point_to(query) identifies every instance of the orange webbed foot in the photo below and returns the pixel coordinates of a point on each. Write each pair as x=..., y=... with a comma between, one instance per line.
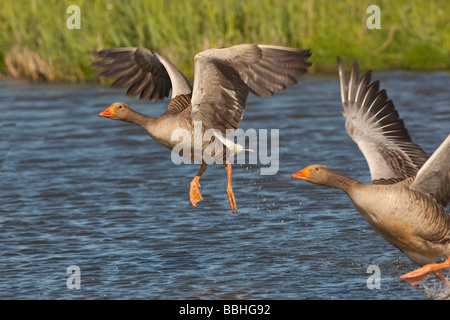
x=414, y=277
x=194, y=192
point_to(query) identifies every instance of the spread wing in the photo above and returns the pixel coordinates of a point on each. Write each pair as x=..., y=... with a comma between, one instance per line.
x=142, y=71
x=375, y=126
x=434, y=176
x=224, y=77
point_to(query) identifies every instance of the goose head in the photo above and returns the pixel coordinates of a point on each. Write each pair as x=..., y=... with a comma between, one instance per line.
x=315, y=173
x=118, y=111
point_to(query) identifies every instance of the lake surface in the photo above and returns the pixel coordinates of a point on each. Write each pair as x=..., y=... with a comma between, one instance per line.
x=77, y=189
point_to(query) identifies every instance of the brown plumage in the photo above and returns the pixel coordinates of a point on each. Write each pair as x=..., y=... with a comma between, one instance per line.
x=223, y=79
x=410, y=189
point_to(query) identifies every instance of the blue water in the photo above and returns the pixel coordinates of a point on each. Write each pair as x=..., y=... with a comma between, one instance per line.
x=77, y=189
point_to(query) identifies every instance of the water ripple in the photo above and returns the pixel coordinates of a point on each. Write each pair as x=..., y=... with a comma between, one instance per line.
x=81, y=190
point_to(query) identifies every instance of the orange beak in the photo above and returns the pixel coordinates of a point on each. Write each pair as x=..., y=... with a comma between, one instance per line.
x=108, y=113
x=302, y=174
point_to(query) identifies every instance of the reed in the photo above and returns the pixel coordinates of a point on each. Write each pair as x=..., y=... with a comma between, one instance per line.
x=37, y=44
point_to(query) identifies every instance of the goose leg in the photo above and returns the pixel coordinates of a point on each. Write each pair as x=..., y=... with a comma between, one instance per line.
x=230, y=189
x=414, y=277
x=441, y=277
x=194, y=192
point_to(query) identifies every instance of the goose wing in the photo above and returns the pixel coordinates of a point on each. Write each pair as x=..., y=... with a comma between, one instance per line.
x=224, y=77
x=434, y=176
x=142, y=71
x=375, y=126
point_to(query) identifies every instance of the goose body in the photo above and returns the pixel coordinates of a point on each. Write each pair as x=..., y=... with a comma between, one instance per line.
x=406, y=201
x=215, y=102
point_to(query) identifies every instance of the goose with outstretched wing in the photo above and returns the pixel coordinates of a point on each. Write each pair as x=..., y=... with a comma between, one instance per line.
x=223, y=78
x=406, y=201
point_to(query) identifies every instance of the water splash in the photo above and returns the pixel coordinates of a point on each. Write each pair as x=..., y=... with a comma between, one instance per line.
x=436, y=291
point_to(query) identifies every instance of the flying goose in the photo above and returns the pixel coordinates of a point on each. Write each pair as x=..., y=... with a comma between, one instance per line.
x=406, y=201
x=223, y=78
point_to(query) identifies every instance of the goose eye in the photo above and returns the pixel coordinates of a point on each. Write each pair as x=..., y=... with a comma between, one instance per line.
x=120, y=106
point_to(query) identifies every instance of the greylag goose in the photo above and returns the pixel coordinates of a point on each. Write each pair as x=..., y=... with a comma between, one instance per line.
x=223, y=78
x=406, y=201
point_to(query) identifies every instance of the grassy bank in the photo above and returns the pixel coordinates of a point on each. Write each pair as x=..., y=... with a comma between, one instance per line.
x=36, y=43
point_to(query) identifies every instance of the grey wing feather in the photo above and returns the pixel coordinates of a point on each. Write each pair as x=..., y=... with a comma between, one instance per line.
x=375, y=126
x=434, y=176
x=224, y=77
x=142, y=71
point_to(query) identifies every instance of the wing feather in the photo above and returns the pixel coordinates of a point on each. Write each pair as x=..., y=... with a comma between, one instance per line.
x=374, y=125
x=434, y=176
x=224, y=77
x=142, y=71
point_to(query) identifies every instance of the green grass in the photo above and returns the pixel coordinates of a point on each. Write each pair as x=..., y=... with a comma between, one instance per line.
x=36, y=43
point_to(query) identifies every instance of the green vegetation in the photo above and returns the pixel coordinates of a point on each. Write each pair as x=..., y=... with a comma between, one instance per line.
x=36, y=43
